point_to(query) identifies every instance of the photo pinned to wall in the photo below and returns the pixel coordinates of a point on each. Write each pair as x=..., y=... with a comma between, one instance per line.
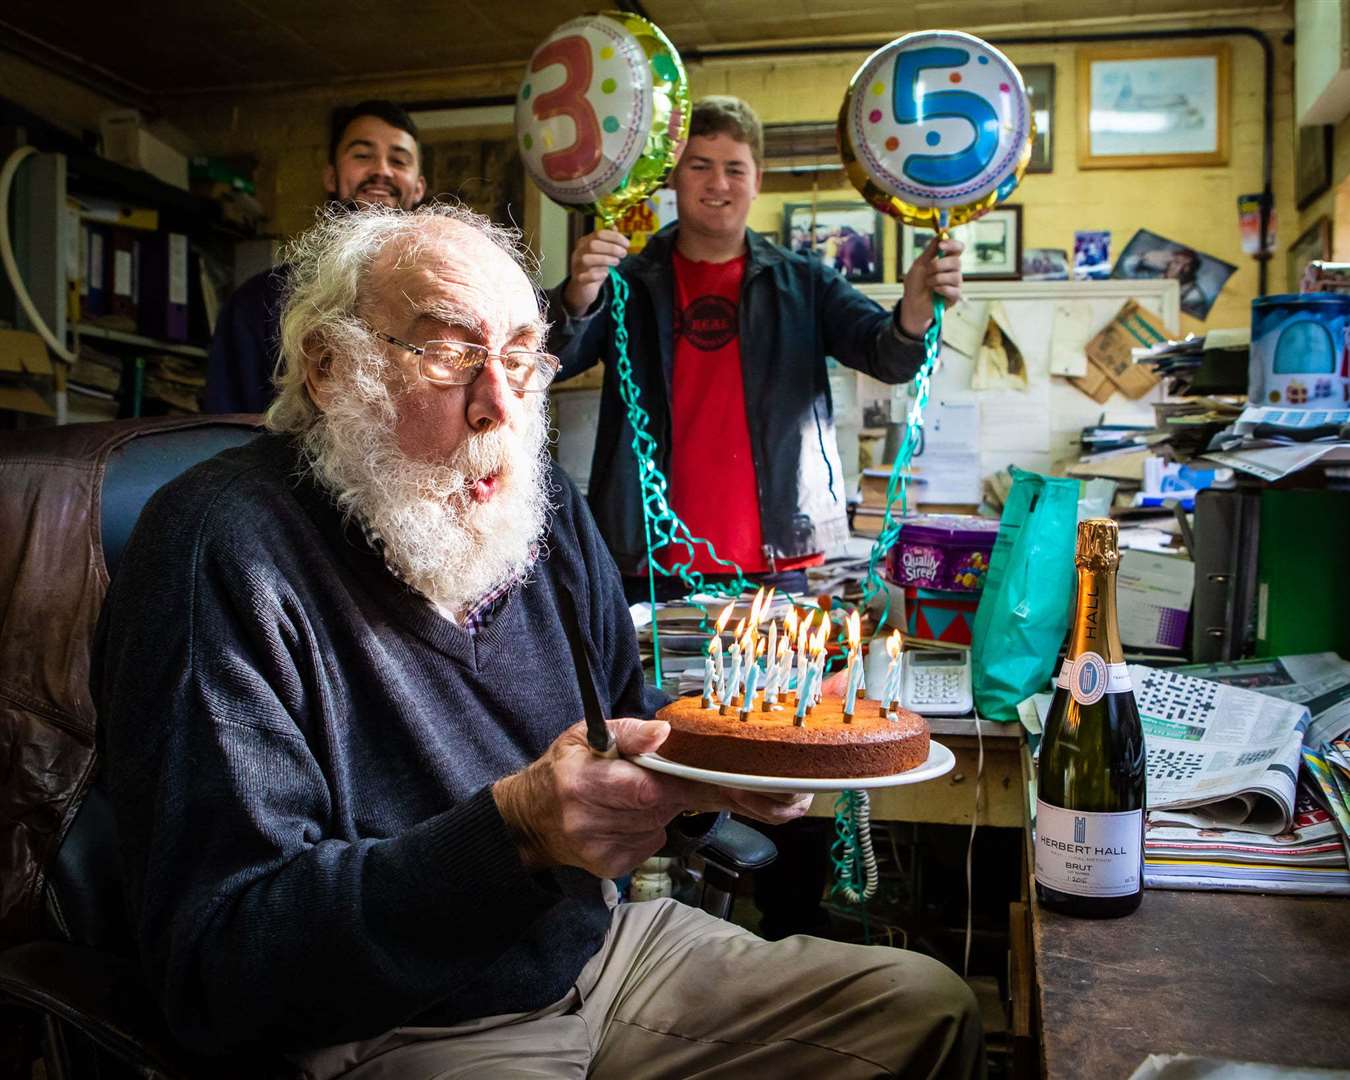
x=1249, y=224
x=1040, y=83
x=1201, y=277
x=1045, y=264
x=1159, y=105
x=993, y=245
x=1091, y=255
x=1315, y=243
x=847, y=236
x=1312, y=163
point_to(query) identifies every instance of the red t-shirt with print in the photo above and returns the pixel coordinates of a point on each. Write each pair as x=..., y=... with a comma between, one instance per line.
x=712, y=471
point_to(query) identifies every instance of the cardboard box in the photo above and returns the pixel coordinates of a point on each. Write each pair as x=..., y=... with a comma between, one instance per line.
x=128, y=142
x=1110, y=353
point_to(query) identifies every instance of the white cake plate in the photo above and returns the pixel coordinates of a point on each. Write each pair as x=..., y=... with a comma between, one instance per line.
x=940, y=762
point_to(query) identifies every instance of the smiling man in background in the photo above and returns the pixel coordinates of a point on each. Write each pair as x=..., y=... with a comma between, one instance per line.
x=373, y=160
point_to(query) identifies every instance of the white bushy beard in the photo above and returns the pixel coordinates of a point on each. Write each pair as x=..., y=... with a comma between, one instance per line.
x=436, y=537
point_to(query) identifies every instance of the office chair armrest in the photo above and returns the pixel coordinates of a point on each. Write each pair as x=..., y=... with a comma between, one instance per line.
x=103, y=996
x=738, y=847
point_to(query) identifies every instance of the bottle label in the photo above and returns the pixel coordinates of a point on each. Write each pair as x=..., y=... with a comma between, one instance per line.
x=1089, y=677
x=1088, y=854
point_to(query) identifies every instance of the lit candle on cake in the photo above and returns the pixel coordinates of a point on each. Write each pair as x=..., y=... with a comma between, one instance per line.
x=803, y=644
x=715, y=652
x=771, y=653
x=890, y=691
x=709, y=680
x=819, y=652
x=751, y=681
x=804, y=691
x=854, y=665
x=778, y=672
x=728, y=691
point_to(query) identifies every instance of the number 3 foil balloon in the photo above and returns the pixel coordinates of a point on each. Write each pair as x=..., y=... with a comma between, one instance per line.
x=936, y=128
x=601, y=113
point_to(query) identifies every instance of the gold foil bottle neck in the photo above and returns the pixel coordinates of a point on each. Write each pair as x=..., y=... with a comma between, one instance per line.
x=1098, y=544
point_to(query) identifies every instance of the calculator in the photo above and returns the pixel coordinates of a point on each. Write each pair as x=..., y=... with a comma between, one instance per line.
x=936, y=682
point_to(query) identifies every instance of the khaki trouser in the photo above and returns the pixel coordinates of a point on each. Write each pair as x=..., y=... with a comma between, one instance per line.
x=674, y=992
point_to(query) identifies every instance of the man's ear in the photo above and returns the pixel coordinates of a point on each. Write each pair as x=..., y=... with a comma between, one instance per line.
x=330, y=180
x=759, y=178
x=420, y=189
x=318, y=378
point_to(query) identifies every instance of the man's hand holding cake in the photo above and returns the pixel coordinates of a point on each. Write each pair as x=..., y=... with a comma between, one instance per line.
x=572, y=808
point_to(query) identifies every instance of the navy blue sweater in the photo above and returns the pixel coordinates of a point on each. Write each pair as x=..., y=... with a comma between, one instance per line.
x=300, y=750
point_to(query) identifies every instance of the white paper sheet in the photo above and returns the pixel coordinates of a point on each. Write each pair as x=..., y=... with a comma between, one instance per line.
x=1070, y=331
x=963, y=326
x=1153, y=599
x=1008, y=423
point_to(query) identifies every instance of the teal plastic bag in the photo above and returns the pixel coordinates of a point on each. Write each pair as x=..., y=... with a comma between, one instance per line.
x=1027, y=601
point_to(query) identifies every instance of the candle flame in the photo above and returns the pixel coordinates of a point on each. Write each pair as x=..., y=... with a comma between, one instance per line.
x=822, y=638
x=759, y=649
x=804, y=630
x=756, y=607
x=854, y=630
x=790, y=624
x=768, y=601
x=739, y=632
x=784, y=648
x=893, y=644
x=724, y=618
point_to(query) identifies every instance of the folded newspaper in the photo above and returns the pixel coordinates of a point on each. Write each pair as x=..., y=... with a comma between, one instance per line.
x=1218, y=756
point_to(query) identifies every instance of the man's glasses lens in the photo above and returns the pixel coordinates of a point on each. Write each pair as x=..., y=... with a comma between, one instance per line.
x=458, y=365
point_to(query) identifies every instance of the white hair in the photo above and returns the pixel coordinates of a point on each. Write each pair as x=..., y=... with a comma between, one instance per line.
x=328, y=275
x=436, y=538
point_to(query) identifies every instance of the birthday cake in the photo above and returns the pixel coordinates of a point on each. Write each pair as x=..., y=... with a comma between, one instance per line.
x=772, y=744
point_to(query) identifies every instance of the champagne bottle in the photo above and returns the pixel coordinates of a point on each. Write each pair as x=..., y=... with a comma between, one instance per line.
x=1090, y=780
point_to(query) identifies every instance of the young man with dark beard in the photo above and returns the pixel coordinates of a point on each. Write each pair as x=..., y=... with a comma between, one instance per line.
x=374, y=159
x=358, y=816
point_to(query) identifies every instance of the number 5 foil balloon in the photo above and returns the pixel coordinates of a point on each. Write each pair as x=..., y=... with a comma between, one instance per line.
x=936, y=128
x=602, y=112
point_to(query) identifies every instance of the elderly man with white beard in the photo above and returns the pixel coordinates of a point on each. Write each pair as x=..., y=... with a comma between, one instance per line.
x=358, y=817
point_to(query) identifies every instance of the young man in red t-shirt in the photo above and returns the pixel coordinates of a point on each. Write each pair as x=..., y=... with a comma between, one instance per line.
x=728, y=339
x=722, y=434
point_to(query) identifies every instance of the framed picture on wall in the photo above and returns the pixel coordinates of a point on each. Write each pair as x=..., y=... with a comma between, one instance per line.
x=993, y=245
x=1312, y=162
x=1040, y=80
x=847, y=236
x=1164, y=104
x=1315, y=243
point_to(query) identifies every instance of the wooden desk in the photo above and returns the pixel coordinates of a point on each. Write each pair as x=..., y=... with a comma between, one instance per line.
x=950, y=800
x=1231, y=975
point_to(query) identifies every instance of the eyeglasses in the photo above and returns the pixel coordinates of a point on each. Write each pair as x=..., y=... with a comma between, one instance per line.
x=458, y=363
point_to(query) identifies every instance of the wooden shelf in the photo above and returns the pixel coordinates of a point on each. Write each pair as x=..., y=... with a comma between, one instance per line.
x=178, y=348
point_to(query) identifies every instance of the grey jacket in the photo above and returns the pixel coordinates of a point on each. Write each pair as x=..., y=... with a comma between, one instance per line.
x=794, y=312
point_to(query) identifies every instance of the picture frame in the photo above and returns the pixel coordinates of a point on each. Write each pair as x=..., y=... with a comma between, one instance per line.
x=847, y=236
x=1151, y=107
x=993, y=245
x=1313, y=243
x=1313, y=148
x=1200, y=277
x=1040, y=83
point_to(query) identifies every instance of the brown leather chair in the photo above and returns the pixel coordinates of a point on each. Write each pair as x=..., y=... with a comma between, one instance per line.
x=69, y=498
